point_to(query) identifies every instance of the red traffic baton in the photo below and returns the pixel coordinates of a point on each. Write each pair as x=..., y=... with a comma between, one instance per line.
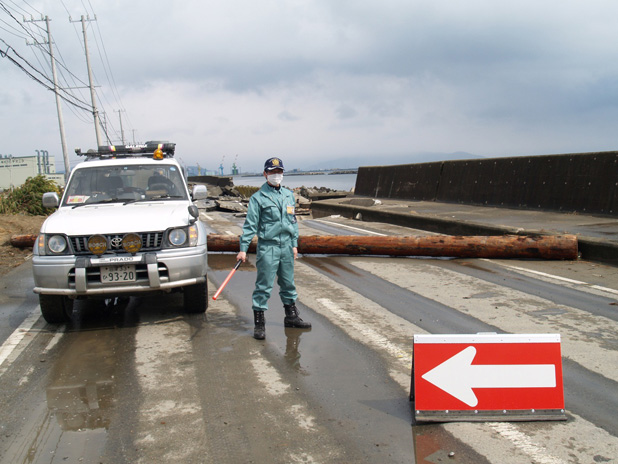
x=227, y=279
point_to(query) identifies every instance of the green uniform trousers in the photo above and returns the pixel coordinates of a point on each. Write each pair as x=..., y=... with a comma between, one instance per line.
x=274, y=259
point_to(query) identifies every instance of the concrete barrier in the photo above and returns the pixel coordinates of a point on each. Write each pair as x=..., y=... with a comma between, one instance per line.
x=418, y=182
x=582, y=182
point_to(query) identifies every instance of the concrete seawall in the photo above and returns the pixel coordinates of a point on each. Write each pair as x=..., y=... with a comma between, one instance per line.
x=581, y=182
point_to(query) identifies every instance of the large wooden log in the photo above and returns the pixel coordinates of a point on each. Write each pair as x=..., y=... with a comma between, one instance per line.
x=504, y=246
x=23, y=241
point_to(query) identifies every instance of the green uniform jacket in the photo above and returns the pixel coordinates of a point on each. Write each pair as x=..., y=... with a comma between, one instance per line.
x=271, y=215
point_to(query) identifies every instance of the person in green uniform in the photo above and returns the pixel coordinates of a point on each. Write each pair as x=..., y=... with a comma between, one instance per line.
x=271, y=215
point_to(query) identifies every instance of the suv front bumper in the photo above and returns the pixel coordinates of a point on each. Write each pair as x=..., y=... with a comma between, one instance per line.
x=157, y=271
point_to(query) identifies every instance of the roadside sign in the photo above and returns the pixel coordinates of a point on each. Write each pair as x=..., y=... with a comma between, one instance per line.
x=490, y=377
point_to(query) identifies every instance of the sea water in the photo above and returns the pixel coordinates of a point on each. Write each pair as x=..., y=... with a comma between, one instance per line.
x=342, y=182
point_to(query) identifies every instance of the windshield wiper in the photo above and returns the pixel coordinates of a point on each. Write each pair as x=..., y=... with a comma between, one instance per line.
x=156, y=197
x=108, y=200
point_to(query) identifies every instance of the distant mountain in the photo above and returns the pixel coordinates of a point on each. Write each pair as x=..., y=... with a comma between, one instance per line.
x=382, y=160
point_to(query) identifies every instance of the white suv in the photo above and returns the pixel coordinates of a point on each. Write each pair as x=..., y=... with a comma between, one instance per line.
x=126, y=225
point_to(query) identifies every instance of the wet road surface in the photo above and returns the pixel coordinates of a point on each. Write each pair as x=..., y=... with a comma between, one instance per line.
x=139, y=381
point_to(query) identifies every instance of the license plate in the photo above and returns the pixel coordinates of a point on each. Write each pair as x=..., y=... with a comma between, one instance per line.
x=113, y=274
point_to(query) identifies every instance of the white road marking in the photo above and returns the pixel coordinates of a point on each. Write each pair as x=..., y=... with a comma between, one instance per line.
x=16, y=337
x=367, y=332
x=268, y=375
x=26, y=376
x=169, y=395
x=55, y=339
x=555, y=277
x=604, y=289
x=351, y=227
x=275, y=386
x=537, y=453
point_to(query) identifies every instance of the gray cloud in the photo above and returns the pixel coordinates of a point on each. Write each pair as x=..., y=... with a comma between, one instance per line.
x=356, y=77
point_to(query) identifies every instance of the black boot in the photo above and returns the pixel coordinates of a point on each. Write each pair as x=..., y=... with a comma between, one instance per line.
x=259, y=332
x=292, y=319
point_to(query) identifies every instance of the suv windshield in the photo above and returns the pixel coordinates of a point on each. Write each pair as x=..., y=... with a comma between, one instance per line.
x=124, y=183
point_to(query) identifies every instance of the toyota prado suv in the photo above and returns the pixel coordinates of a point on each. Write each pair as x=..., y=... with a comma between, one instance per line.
x=126, y=225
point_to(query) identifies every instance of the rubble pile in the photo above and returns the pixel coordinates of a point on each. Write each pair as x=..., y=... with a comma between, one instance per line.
x=224, y=196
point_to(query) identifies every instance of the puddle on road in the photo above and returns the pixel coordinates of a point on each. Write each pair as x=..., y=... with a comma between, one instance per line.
x=81, y=392
x=433, y=444
x=292, y=352
x=81, y=386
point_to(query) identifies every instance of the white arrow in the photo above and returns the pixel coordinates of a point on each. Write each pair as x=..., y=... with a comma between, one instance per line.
x=457, y=376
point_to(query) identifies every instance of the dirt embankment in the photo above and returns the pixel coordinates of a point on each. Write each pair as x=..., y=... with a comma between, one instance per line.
x=16, y=224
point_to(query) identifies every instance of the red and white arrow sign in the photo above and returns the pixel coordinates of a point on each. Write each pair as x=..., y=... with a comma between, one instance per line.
x=457, y=376
x=483, y=374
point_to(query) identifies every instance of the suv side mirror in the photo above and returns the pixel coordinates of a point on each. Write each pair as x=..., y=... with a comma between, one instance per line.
x=50, y=200
x=199, y=192
x=194, y=213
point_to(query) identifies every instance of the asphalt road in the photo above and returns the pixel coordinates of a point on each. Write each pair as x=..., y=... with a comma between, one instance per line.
x=139, y=381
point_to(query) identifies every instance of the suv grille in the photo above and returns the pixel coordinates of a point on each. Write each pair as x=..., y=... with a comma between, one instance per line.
x=151, y=241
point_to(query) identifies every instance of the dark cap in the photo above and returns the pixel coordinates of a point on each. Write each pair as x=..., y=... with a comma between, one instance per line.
x=273, y=163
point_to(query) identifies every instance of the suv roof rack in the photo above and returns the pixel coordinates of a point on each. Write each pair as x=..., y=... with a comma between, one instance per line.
x=149, y=149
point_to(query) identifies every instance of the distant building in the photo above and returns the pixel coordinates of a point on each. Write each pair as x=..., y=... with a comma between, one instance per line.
x=14, y=170
x=193, y=171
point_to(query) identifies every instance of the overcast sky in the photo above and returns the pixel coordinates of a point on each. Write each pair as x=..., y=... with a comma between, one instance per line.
x=364, y=81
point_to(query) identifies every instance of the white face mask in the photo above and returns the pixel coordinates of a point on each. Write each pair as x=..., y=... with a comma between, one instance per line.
x=274, y=179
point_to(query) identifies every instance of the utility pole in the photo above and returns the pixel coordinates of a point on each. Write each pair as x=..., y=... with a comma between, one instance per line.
x=95, y=111
x=65, y=154
x=121, y=129
x=103, y=121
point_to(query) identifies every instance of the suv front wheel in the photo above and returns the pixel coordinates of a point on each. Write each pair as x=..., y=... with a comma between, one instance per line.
x=196, y=297
x=56, y=309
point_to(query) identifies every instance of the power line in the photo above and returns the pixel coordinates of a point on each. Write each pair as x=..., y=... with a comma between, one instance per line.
x=95, y=111
x=71, y=86
x=65, y=155
x=107, y=68
x=5, y=54
x=13, y=30
x=32, y=71
x=19, y=7
x=5, y=8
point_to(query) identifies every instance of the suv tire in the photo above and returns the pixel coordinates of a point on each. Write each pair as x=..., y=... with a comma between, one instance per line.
x=56, y=309
x=196, y=297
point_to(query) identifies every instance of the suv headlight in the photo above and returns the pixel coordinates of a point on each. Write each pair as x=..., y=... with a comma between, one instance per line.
x=185, y=236
x=57, y=244
x=177, y=237
x=51, y=244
